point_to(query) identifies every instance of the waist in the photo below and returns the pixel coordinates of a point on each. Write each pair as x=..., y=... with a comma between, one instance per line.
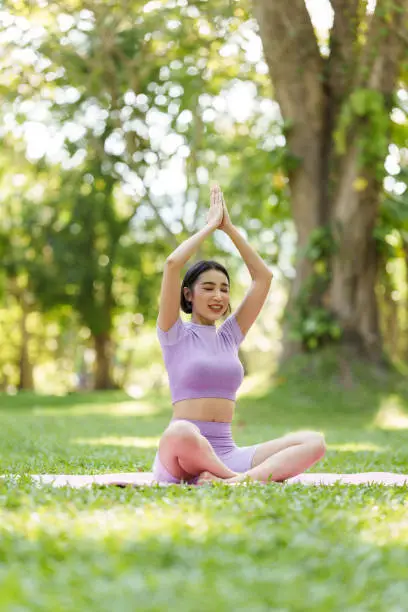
x=215, y=431
x=205, y=409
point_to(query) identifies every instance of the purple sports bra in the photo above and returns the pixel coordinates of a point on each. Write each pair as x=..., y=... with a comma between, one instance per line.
x=201, y=360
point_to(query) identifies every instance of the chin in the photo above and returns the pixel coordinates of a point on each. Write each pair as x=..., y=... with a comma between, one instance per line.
x=216, y=316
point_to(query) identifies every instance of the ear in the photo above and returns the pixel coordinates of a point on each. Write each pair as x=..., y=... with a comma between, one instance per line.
x=187, y=293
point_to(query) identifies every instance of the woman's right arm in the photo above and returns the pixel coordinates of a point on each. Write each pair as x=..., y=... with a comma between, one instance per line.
x=214, y=218
x=169, y=308
x=186, y=249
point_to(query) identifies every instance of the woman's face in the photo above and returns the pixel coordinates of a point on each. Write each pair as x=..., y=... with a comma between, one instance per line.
x=211, y=289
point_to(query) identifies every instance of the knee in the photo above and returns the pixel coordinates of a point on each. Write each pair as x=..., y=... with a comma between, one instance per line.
x=318, y=443
x=183, y=433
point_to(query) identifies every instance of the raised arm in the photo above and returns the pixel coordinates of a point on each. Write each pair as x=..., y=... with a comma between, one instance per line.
x=169, y=308
x=261, y=275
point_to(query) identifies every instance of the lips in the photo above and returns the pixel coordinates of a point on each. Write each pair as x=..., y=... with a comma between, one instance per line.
x=215, y=308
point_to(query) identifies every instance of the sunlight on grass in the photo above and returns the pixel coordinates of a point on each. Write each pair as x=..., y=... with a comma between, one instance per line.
x=384, y=524
x=356, y=447
x=391, y=414
x=133, y=408
x=122, y=523
x=148, y=442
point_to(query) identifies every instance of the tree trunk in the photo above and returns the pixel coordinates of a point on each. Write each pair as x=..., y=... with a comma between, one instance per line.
x=302, y=103
x=354, y=266
x=103, y=362
x=325, y=186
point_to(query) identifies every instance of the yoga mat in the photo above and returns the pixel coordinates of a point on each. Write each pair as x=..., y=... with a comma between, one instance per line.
x=146, y=478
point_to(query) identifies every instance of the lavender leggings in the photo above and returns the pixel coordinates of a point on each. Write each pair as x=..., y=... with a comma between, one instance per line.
x=219, y=435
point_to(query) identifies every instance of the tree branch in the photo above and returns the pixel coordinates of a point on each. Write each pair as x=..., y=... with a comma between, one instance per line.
x=170, y=234
x=293, y=57
x=343, y=52
x=297, y=73
x=385, y=47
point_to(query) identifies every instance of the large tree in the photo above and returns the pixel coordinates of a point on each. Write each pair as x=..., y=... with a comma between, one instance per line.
x=122, y=70
x=336, y=103
x=116, y=70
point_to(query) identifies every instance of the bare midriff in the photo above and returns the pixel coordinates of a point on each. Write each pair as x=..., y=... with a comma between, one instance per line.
x=205, y=409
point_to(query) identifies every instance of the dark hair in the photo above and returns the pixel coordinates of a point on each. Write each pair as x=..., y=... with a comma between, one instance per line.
x=191, y=278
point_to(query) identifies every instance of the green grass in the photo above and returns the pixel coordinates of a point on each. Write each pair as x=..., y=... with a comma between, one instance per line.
x=215, y=548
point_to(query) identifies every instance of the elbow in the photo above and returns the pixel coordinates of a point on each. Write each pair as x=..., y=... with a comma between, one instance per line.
x=174, y=263
x=265, y=276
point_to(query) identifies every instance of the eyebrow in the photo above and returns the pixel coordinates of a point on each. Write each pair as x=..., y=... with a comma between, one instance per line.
x=211, y=283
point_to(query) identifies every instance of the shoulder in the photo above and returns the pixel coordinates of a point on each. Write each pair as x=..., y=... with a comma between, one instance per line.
x=175, y=334
x=231, y=330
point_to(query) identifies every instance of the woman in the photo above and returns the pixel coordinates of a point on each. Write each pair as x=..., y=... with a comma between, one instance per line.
x=205, y=372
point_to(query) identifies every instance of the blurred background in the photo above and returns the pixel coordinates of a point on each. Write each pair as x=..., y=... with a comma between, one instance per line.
x=115, y=117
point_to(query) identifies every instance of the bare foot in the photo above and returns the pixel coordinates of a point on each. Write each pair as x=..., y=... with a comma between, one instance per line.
x=205, y=477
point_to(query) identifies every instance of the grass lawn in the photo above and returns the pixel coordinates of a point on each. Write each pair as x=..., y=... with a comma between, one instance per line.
x=215, y=548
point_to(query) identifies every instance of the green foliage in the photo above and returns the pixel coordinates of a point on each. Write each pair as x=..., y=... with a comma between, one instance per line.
x=365, y=116
x=315, y=327
x=394, y=208
x=312, y=323
x=82, y=244
x=391, y=230
x=123, y=62
x=391, y=235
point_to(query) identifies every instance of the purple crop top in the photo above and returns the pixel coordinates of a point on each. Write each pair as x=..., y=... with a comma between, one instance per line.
x=201, y=360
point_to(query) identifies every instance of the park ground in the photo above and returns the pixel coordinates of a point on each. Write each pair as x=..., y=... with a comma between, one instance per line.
x=250, y=547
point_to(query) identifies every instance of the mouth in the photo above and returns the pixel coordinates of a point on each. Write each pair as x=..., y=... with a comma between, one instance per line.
x=216, y=309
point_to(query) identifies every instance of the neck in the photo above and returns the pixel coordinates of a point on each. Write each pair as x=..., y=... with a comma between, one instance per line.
x=202, y=321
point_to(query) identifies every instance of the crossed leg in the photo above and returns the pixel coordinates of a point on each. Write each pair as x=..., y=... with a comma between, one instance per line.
x=186, y=453
x=279, y=459
x=285, y=457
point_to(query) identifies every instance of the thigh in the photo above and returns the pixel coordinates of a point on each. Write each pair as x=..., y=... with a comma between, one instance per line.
x=271, y=447
x=174, y=440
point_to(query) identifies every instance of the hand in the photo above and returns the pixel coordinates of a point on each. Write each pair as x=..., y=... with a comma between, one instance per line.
x=226, y=222
x=216, y=212
x=218, y=220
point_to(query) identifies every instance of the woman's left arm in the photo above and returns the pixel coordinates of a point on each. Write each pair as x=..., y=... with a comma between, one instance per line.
x=256, y=265
x=261, y=275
